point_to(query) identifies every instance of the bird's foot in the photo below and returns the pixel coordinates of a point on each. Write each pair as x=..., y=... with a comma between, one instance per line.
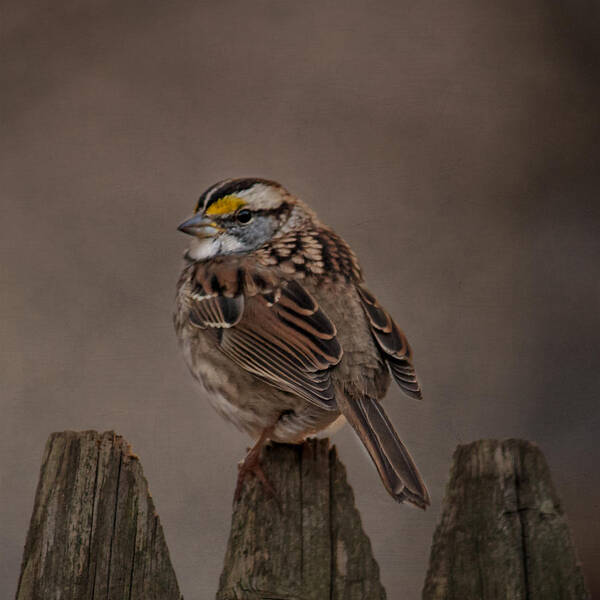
x=251, y=466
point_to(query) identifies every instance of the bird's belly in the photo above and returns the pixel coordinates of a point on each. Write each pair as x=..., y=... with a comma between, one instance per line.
x=242, y=418
x=249, y=403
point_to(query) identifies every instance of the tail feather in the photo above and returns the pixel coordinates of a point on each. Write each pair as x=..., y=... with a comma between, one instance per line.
x=396, y=467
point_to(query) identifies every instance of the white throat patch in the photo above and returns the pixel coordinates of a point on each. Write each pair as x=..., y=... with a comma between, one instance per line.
x=204, y=248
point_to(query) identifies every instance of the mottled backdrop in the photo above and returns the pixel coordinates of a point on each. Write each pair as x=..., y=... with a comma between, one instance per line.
x=455, y=145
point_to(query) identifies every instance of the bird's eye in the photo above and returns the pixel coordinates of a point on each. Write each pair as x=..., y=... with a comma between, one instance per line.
x=244, y=216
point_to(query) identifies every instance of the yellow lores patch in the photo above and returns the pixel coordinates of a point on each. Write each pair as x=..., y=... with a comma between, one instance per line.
x=225, y=205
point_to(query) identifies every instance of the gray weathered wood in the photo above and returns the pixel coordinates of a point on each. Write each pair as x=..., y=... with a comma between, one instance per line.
x=94, y=533
x=308, y=544
x=503, y=534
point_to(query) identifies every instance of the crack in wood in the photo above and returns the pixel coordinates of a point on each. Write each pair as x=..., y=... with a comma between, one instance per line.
x=522, y=523
x=94, y=508
x=114, y=527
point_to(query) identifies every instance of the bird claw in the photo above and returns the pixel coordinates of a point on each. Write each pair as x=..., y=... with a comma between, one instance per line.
x=251, y=466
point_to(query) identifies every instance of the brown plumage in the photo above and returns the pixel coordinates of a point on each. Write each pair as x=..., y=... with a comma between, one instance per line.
x=275, y=321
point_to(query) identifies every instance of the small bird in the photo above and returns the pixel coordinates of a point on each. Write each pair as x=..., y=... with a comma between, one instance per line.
x=275, y=321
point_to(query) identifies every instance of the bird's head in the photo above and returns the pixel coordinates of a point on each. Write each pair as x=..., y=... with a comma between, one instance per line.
x=239, y=215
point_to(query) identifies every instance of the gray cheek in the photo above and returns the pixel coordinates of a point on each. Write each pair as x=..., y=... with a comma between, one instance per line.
x=256, y=233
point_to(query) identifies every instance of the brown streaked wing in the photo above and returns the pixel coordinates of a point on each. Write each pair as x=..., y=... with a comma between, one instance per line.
x=216, y=311
x=392, y=343
x=219, y=290
x=290, y=343
x=278, y=366
x=271, y=327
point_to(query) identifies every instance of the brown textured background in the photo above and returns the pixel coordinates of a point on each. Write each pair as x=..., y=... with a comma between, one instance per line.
x=454, y=145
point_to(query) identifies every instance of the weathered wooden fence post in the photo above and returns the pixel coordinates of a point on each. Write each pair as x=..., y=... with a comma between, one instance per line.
x=503, y=535
x=94, y=532
x=306, y=545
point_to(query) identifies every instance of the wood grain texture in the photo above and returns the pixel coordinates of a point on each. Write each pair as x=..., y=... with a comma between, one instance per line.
x=306, y=545
x=94, y=532
x=503, y=534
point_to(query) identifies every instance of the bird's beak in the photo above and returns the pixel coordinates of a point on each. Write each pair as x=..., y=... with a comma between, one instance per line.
x=200, y=226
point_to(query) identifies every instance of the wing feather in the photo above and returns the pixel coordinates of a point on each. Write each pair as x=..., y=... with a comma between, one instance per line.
x=392, y=343
x=271, y=327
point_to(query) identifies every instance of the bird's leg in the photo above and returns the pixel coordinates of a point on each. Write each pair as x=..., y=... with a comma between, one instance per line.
x=251, y=464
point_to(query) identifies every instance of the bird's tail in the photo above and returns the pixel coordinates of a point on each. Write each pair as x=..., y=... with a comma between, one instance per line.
x=396, y=468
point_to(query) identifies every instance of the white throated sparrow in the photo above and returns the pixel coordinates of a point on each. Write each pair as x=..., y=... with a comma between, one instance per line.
x=274, y=320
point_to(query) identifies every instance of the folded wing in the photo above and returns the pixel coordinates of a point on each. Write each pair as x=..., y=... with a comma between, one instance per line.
x=271, y=327
x=392, y=343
